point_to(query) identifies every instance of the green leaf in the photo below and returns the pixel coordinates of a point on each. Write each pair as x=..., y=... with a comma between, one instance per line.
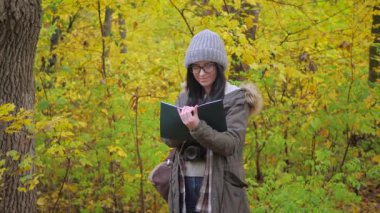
x=43, y=104
x=13, y=154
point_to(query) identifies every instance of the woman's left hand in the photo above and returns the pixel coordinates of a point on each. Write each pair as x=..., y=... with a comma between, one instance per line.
x=189, y=116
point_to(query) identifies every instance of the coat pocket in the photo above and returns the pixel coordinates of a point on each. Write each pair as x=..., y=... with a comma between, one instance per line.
x=234, y=195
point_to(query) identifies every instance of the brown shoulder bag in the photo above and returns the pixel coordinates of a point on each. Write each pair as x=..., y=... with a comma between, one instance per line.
x=160, y=175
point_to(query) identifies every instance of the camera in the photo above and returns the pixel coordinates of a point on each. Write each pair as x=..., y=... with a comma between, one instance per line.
x=194, y=151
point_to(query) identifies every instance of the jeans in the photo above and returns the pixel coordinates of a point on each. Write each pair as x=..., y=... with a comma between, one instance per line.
x=192, y=188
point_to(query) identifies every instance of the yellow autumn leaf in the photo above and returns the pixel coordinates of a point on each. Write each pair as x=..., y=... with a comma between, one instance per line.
x=41, y=201
x=142, y=110
x=328, y=143
x=71, y=187
x=6, y=118
x=248, y=57
x=252, y=2
x=121, y=153
x=104, y=111
x=358, y=175
x=128, y=177
x=237, y=4
x=66, y=134
x=112, y=148
x=5, y=109
x=324, y=133
x=13, y=154
x=82, y=124
x=312, y=88
x=376, y=159
x=248, y=21
x=33, y=183
x=21, y=189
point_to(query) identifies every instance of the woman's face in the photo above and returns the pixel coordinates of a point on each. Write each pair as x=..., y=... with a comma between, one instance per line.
x=205, y=73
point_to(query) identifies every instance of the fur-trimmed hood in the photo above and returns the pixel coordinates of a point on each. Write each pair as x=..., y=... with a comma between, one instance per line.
x=253, y=97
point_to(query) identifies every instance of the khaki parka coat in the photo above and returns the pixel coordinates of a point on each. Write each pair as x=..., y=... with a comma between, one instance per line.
x=228, y=179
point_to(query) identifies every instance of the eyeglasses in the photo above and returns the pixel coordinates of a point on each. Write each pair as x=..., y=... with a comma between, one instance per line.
x=207, y=68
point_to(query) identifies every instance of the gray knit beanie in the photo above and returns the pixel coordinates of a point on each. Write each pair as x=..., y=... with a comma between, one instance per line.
x=206, y=46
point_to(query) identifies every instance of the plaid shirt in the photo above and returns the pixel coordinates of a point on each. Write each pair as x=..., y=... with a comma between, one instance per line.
x=204, y=201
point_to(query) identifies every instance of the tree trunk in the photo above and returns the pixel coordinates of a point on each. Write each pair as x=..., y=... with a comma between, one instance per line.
x=123, y=34
x=20, y=26
x=259, y=175
x=107, y=29
x=374, y=50
x=53, y=43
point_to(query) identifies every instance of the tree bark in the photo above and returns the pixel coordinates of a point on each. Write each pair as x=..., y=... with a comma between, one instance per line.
x=54, y=39
x=19, y=30
x=259, y=175
x=374, y=50
x=123, y=33
x=107, y=28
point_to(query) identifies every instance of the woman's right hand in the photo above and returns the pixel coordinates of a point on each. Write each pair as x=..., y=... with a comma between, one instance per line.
x=189, y=116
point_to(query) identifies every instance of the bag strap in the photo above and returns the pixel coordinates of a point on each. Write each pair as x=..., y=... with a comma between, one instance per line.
x=171, y=154
x=170, y=158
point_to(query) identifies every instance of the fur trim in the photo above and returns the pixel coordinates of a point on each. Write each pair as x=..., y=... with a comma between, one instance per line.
x=230, y=88
x=183, y=86
x=253, y=97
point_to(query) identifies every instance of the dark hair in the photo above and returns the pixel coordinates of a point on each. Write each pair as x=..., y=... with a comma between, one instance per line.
x=196, y=91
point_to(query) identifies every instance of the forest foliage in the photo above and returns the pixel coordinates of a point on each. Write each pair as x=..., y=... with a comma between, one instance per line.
x=102, y=67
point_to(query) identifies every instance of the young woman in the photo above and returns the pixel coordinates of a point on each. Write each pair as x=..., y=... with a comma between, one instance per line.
x=207, y=173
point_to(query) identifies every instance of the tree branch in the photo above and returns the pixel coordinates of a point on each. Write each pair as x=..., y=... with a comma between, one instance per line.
x=284, y=3
x=183, y=17
x=226, y=6
x=63, y=183
x=103, y=43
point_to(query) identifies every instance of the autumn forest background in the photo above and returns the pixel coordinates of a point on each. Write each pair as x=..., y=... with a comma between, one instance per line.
x=101, y=68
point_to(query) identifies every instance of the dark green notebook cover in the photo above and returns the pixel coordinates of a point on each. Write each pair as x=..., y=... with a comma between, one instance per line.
x=172, y=127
